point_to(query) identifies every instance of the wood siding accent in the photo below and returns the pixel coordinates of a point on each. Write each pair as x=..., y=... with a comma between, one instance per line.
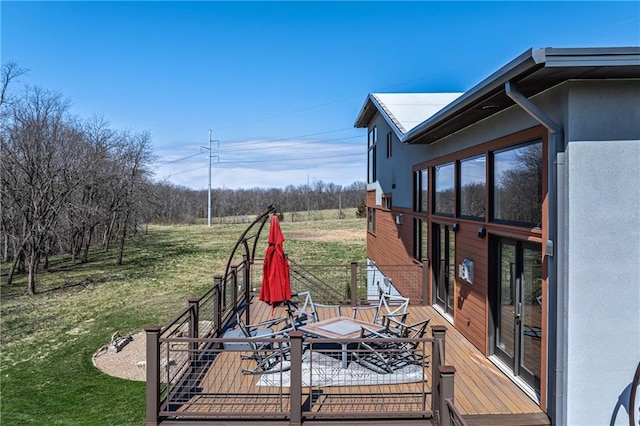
x=471, y=299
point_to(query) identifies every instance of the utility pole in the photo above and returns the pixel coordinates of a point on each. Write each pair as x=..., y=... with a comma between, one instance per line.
x=209, y=196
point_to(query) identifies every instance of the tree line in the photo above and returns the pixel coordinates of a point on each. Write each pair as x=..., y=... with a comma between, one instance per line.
x=68, y=184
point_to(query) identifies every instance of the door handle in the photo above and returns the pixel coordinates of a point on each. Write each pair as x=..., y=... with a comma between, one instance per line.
x=518, y=310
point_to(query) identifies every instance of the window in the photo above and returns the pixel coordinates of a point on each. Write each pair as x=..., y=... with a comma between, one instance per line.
x=420, y=239
x=444, y=200
x=371, y=220
x=421, y=190
x=373, y=139
x=472, y=187
x=389, y=145
x=386, y=202
x=517, y=184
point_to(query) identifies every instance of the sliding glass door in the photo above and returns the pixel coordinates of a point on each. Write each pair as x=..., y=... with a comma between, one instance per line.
x=517, y=308
x=444, y=267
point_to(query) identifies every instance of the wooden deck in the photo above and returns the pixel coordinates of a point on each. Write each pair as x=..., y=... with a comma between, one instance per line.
x=483, y=394
x=481, y=389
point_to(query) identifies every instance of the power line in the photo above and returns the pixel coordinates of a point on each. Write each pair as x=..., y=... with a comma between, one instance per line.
x=243, y=144
x=268, y=161
x=180, y=159
x=293, y=159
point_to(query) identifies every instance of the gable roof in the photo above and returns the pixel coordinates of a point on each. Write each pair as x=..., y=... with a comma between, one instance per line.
x=531, y=73
x=404, y=111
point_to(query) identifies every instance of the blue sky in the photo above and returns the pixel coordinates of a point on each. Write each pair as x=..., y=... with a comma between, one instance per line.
x=279, y=83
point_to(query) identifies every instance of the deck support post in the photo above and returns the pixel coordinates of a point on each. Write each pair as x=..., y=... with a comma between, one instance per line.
x=194, y=327
x=153, y=375
x=446, y=373
x=217, y=297
x=438, y=333
x=296, y=378
x=354, y=284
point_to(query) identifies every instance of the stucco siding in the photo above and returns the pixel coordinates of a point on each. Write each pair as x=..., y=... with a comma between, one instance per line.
x=603, y=277
x=604, y=110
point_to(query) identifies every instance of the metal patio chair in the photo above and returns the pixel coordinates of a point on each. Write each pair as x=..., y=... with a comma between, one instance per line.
x=389, y=306
x=266, y=343
x=304, y=310
x=383, y=354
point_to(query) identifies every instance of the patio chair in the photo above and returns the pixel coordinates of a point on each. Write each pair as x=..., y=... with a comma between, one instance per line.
x=388, y=306
x=268, y=350
x=383, y=354
x=415, y=330
x=301, y=312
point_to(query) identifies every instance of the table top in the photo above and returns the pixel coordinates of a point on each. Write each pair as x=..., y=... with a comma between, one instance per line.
x=339, y=328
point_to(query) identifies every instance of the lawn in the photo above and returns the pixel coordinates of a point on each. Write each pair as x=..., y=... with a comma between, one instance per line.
x=47, y=340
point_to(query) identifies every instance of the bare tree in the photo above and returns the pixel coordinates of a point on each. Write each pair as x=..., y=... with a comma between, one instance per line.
x=44, y=148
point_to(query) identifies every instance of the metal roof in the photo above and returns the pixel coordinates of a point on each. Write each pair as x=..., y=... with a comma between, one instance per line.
x=532, y=72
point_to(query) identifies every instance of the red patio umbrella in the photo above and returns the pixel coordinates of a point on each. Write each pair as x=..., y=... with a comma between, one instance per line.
x=276, y=286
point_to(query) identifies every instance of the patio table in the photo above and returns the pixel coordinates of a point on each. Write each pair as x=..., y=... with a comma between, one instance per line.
x=340, y=328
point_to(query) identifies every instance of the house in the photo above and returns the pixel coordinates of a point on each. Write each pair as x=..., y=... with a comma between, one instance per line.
x=521, y=196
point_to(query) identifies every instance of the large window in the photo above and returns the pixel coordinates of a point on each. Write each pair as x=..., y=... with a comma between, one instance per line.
x=371, y=220
x=420, y=190
x=444, y=180
x=472, y=187
x=517, y=184
x=373, y=139
x=420, y=239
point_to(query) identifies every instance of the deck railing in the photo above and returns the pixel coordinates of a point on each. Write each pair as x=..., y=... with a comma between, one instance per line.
x=185, y=357
x=353, y=283
x=206, y=382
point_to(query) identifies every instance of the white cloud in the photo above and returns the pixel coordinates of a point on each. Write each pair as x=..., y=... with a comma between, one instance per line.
x=266, y=164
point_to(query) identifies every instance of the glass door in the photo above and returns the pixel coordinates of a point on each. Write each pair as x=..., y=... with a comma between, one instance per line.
x=444, y=267
x=518, y=308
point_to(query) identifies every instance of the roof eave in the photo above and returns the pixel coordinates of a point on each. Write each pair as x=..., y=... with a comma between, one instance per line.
x=524, y=65
x=528, y=60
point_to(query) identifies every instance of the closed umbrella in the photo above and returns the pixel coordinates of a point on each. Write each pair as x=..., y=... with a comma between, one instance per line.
x=276, y=286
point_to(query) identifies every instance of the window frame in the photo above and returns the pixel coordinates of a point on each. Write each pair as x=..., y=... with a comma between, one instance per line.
x=435, y=192
x=421, y=190
x=492, y=184
x=389, y=145
x=459, y=190
x=372, y=155
x=371, y=220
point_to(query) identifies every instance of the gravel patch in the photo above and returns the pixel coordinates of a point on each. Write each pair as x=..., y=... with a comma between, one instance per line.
x=129, y=363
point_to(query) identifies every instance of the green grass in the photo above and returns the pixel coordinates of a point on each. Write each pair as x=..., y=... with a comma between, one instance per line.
x=46, y=342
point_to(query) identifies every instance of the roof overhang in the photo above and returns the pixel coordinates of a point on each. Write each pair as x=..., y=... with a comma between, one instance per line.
x=532, y=72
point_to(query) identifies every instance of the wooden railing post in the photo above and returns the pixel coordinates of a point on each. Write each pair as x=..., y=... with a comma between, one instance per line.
x=153, y=375
x=354, y=284
x=194, y=327
x=296, y=378
x=217, y=315
x=447, y=373
x=425, y=283
x=438, y=333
